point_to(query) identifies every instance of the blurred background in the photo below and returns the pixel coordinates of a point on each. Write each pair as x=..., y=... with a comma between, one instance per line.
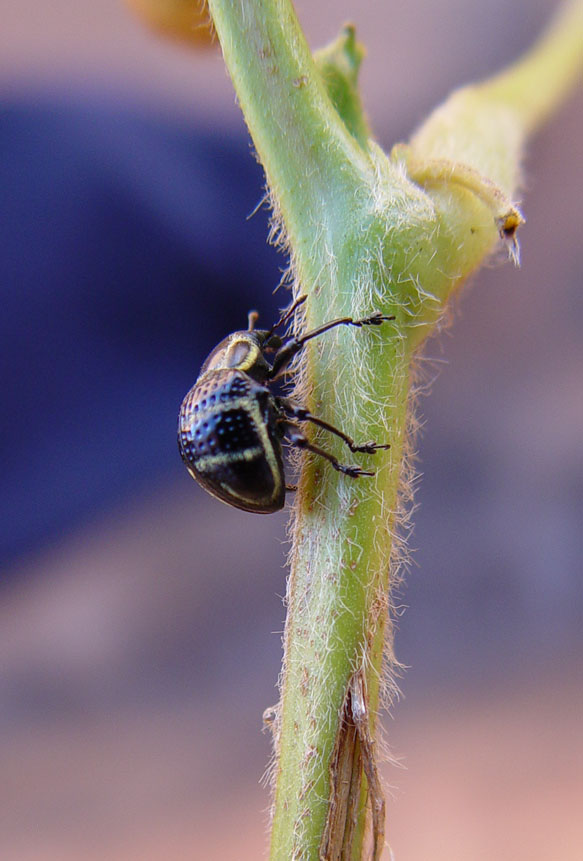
x=140, y=619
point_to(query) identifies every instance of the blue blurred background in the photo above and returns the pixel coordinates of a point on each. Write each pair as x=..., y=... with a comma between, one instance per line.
x=140, y=619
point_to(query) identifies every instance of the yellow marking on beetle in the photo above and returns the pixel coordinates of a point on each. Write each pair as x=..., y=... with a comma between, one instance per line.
x=253, y=353
x=227, y=360
x=209, y=461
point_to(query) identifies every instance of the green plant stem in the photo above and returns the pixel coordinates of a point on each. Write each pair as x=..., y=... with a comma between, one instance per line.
x=362, y=236
x=283, y=99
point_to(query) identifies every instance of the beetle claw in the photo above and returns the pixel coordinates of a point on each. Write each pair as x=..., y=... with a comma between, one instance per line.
x=370, y=447
x=353, y=471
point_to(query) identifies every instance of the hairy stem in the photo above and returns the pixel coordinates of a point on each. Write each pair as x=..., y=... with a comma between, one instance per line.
x=365, y=233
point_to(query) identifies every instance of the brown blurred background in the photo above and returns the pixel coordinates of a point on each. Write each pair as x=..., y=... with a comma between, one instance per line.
x=140, y=620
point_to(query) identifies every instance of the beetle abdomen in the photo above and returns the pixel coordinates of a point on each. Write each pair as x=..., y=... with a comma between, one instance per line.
x=224, y=441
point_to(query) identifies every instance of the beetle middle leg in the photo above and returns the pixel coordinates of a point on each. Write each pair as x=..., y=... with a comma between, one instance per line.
x=293, y=434
x=304, y=415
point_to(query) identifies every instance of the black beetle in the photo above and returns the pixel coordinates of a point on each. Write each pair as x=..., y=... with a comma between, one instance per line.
x=231, y=424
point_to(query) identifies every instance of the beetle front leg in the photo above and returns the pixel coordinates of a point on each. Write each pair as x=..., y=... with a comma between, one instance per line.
x=304, y=415
x=295, y=437
x=286, y=353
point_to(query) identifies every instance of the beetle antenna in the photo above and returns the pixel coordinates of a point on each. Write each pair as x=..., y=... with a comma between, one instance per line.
x=252, y=317
x=288, y=313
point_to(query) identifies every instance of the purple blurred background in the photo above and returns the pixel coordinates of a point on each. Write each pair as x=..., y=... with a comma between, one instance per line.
x=140, y=619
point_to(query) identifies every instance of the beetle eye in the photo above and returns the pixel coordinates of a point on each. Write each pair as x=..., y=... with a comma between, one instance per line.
x=274, y=342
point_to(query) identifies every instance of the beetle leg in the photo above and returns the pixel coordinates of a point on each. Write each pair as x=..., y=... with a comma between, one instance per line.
x=253, y=316
x=286, y=353
x=285, y=315
x=295, y=437
x=304, y=415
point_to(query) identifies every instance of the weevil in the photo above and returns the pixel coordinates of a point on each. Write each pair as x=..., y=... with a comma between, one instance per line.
x=231, y=425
